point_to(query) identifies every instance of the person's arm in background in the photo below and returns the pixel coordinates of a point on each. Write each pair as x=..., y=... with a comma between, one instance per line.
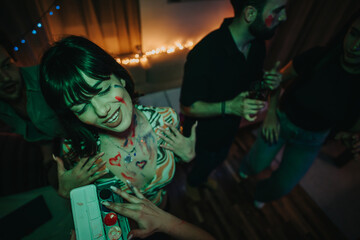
x=351, y=139
x=271, y=128
x=152, y=219
x=239, y=106
x=195, y=90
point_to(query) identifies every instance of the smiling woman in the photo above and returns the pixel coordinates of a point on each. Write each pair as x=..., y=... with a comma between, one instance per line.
x=107, y=136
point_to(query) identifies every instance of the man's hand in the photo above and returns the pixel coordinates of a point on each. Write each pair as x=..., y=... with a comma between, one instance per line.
x=176, y=142
x=85, y=172
x=273, y=77
x=350, y=140
x=271, y=127
x=244, y=107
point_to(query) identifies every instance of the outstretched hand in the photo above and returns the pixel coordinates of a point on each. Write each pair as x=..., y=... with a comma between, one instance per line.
x=85, y=172
x=149, y=217
x=182, y=146
x=271, y=128
x=273, y=77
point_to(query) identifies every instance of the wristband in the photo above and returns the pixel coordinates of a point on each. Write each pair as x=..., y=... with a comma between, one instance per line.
x=223, y=109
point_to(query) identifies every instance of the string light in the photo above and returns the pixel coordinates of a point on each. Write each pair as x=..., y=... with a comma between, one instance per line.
x=37, y=24
x=160, y=50
x=136, y=59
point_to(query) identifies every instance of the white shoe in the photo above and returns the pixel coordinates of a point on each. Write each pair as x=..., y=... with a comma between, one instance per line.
x=243, y=175
x=258, y=204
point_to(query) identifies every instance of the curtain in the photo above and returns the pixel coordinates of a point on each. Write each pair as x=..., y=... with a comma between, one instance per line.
x=310, y=23
x=112, y=24
x=18, y=18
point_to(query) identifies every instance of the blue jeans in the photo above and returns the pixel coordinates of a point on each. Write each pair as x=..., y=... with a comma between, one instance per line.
x=301, y=149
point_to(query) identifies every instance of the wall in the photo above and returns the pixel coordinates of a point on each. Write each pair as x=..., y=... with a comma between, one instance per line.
x=164, y=23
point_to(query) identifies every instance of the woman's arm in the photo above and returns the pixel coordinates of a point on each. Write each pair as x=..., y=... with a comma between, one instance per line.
x=152, y=219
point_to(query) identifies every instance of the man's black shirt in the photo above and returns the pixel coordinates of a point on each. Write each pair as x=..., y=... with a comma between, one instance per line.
x=217, y=71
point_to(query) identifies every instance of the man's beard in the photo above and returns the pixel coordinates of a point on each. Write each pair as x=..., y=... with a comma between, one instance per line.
x=259, y=30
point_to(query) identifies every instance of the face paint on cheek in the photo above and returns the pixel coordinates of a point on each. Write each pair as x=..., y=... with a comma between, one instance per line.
x=269, y=20
x=120, y=99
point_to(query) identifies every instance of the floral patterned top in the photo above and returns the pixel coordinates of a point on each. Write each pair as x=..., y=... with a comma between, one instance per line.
x=165, y=160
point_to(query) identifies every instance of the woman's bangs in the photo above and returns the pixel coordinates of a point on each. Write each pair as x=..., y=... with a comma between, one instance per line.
x=77, y=90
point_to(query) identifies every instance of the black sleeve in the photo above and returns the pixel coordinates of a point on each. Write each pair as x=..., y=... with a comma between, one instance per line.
x=307, y=60
x=196, y=76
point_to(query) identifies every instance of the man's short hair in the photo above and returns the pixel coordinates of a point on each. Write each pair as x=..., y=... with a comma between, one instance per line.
x=7, y=45
x=239, y=5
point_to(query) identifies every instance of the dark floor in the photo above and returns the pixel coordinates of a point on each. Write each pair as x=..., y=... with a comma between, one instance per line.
x=226, y=212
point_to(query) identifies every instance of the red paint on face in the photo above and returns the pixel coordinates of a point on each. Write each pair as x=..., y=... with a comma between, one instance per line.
x=269, y=20
x=115, y=161
x=120, y=99
x=126, y=177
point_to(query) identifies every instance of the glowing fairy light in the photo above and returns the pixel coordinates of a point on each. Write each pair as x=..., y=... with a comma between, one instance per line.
x=170, y=50
x=137, y=58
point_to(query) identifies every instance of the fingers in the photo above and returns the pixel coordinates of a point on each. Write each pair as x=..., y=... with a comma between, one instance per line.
x=252, y=106
x=193, y=131
x=168, y=139
x=168, y=147
x=123, y=209
x=135, y=190
x=125, y=195
x=174, y=130
x=96, y=167
x=60, y=165
x=90, y=161
x=249, y=118
x=244, y=94
x=97, y=175
x=276, y=67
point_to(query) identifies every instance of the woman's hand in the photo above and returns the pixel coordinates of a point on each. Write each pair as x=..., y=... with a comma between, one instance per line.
x=271, y=127
x=152, y=219
x=182, y=146
x=85, y=172
x=149, y=217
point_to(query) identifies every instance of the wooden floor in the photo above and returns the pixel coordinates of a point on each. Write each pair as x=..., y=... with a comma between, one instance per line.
x=228, y=211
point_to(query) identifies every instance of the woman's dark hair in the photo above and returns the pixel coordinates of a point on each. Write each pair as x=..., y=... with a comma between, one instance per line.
x=7, y=45
x=61, y=81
